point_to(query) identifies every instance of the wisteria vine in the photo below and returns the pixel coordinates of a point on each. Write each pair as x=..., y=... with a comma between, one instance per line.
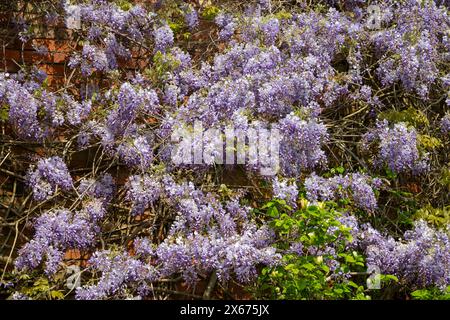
x=362, y=113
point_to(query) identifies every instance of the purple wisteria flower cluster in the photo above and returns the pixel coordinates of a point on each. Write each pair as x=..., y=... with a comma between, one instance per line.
x=119, y=271
x=191, y=18
x=445, y=124
x=103, y=188
x=206, y=237
x=49, y=173
x=284, y=190
x=420, y=259
x=142, y=192
x=227, y=25
x=111, y=180
x=35, y=112
x=409, y=51
x=359, y=187
x=119, y=133
x=116, y=28
x=301, y=144
x=397, y=148
x=57, y=231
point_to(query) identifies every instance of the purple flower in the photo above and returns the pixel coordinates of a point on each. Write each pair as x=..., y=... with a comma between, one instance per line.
x=41, y=50
x=282, y=190
x=92, y=58
x=191, y=18
x=420, y=260
x=227, y=31
x=445, y=123
x=143, y=247
x=20, y=296
x=413, y=61
x=142, y=191
x=77, y=111
x=119, y=273
x=397, y=148
x=163, y=38
x=102, y=188
x=48, y=174
x=226, y=23
x=23, y=109
x=270, y=30
x=137, y=152
x=56, y=231
x=356, y=186
x=300, y=147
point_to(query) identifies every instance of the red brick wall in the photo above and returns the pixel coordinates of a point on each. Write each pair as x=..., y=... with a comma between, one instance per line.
x=59, y=41
x=15, y=54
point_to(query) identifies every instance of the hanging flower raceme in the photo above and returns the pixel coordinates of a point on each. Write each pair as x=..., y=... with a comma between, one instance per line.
x=48, y=174
x=396, y=148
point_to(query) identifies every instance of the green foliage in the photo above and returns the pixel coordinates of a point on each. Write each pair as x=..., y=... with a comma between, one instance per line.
x=4, y=112
x=428, y=143
x=445, y=176
x=438, y=217
x=274, y=207
x=124, y=4
x=163, y=63
x=41, y=288
x=309, y=276
x=210, y=12
x=391, y=175
x=186, y=35
x=411, y=116
x=431, y=294
x=334, y=171
x=283, y=14
x=175, y=26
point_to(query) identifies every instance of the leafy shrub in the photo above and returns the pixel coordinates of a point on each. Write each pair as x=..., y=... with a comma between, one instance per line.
x=317, y=261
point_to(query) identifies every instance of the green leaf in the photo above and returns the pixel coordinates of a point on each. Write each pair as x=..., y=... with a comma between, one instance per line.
x=210, y=12
x=390, y=277
x=308, y=266
x=273, y=212
x=56, y=294
x=4, y=112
